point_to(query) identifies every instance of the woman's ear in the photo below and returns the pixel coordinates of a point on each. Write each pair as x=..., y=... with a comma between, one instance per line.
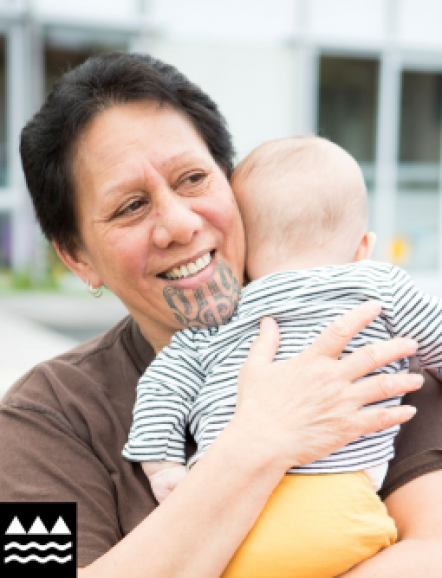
x=365, y=248
x=76, y=260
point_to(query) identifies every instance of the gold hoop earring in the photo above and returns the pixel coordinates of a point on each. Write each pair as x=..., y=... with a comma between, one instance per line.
x=95, y=291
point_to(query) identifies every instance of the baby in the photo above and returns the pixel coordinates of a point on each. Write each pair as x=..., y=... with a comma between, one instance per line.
x=304, y=206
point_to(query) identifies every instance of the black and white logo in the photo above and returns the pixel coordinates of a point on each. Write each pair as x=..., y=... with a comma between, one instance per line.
x=37, y=536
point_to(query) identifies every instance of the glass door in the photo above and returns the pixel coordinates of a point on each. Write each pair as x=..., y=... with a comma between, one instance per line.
x=347, y=109
x=416, y=243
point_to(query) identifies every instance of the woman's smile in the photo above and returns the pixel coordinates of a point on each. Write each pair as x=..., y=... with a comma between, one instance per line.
x=190, y=268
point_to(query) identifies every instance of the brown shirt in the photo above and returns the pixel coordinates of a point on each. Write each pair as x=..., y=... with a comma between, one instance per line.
x=63, y=426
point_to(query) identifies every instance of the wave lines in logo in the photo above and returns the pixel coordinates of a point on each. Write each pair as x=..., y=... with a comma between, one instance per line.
x=41, y=547
x=35, y=558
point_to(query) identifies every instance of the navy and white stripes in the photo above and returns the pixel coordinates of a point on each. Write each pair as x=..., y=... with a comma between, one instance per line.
x=193, y=381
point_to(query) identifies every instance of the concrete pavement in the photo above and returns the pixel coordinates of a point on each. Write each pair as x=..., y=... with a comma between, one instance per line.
x=36, y=327
x=23, y=344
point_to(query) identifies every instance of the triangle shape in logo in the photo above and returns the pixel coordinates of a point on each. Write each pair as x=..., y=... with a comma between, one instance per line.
x=38, y=527
x=15, y=527
x=60, y=527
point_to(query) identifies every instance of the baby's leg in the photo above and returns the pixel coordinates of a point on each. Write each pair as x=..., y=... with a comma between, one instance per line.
x=314, y=526
x=164, y=477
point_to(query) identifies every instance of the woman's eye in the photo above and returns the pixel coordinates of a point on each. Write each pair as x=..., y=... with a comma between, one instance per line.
x=194, y=178
x=132, y=207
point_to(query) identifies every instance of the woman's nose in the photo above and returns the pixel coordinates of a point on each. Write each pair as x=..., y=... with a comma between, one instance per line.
x=175, y=221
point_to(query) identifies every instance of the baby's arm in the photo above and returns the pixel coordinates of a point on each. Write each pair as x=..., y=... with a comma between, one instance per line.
x=165, y=395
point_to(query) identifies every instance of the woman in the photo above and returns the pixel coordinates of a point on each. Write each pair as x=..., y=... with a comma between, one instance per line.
x=127, y=163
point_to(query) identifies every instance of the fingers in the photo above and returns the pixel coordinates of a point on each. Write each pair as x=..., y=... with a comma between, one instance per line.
x=335, y=337
x=371, y=357
x=384, y=386
x=265, y=346
x=376, y=419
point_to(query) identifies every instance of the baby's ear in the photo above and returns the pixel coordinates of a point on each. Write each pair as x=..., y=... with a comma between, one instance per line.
x=366, y=247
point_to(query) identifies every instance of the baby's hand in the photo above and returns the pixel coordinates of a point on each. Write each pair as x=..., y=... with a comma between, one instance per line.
x=164, y=478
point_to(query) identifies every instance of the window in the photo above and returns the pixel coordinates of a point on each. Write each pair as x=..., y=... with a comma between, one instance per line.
x=347, y=107
x=419, y=171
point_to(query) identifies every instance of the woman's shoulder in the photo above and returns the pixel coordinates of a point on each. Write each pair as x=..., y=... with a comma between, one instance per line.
x=63, y=427
x=96, y=377
x=122, y=340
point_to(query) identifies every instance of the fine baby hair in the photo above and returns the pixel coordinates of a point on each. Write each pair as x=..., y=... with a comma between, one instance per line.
x=309, y=197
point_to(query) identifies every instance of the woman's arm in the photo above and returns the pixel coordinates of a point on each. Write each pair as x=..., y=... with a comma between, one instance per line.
x=412, y=492
x=198, y=528
x=417, y=511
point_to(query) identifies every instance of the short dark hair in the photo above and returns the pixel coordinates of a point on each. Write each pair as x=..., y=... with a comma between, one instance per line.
x=101, y=82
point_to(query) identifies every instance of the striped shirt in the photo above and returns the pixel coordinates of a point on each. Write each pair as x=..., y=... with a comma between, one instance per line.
x=193, y=382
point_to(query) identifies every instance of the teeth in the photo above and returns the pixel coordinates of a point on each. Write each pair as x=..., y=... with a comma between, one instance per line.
x=190, y=268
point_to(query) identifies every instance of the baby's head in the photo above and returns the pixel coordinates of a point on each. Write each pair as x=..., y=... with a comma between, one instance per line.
x=304, y=204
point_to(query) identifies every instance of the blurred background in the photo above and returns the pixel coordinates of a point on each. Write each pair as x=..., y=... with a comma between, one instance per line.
x=367, y=75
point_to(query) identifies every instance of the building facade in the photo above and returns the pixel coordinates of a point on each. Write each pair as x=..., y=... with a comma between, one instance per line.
x=367, y=75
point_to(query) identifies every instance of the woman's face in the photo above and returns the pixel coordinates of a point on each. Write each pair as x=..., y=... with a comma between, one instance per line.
x=159, y=225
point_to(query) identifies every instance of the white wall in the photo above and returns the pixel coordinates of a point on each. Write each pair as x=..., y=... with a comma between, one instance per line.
x=344, y=20
x=253, y=85
x=420, y=24
x=226, y=20
x=412, y=23
x=106, y=10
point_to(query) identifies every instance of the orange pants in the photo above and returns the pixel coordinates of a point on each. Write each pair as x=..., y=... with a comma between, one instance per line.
x=314, y=526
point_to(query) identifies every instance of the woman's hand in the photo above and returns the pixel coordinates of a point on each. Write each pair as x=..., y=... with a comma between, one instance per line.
x=303, y=409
